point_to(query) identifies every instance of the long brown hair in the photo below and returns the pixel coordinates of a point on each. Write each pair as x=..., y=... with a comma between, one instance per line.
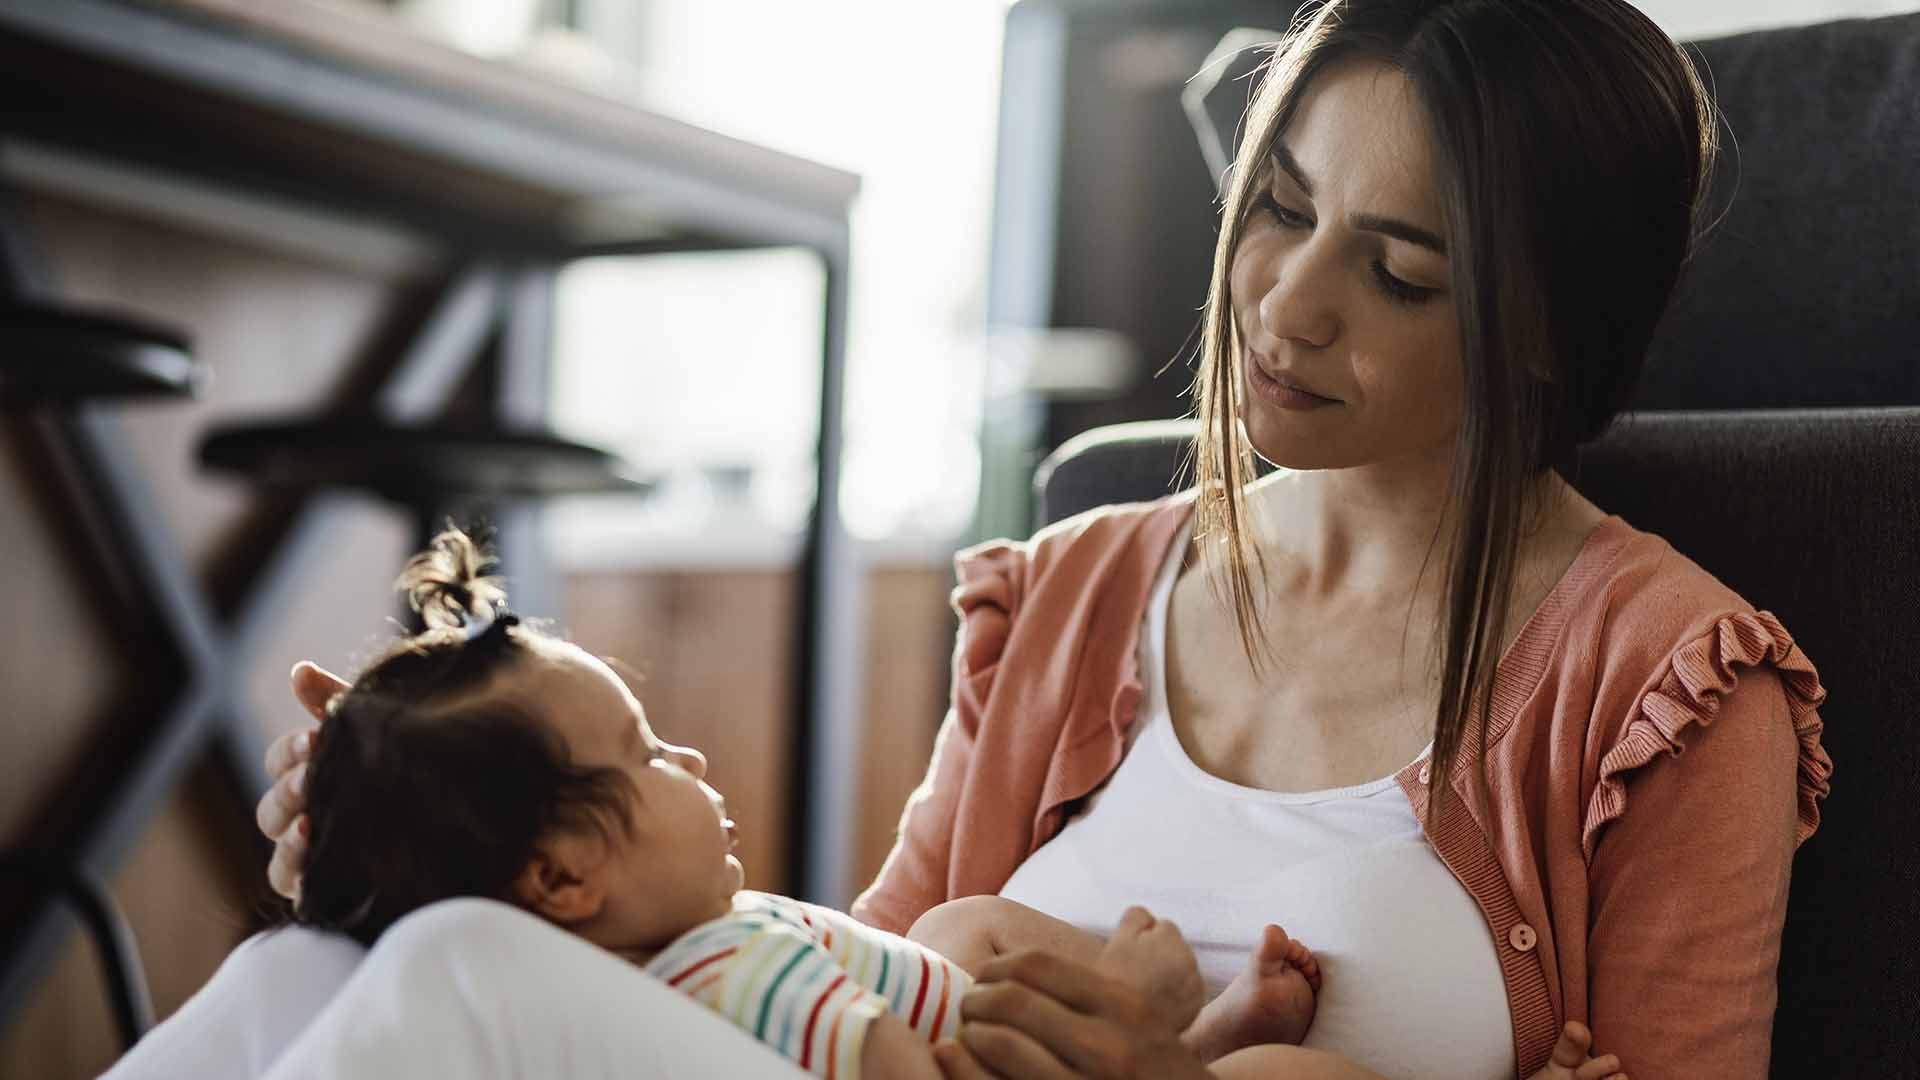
x=1572, y=144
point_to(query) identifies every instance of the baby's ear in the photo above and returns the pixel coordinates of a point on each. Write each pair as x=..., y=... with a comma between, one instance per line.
x=561, y=880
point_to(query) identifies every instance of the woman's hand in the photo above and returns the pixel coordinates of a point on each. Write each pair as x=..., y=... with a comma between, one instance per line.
x=281, y=814
x=1035, y=1015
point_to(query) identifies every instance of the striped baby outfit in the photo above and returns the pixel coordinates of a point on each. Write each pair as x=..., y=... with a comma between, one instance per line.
x=808, y=980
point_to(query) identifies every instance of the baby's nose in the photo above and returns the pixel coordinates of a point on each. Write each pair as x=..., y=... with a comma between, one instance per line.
x=690, y=759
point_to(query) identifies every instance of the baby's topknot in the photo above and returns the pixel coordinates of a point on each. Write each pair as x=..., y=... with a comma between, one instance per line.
x=451, y=584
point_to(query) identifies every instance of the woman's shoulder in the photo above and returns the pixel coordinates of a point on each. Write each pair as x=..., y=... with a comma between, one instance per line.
x=1642, y=600
x=1644, y=589
x=1648, y=615
x=1114, y=538
x=1628, y=607
x=1045, y=582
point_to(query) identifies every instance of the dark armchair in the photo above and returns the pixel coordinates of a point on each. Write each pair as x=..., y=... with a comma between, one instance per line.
x=1783, y=398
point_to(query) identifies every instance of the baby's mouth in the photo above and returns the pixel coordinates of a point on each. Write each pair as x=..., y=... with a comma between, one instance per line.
x=733, y=833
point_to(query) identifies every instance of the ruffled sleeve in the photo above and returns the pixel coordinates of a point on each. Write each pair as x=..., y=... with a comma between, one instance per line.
x=1704, y=793
x=986, y=598
x=1699, y=676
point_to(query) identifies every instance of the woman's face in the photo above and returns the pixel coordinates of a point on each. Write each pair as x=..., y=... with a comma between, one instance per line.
x=1341, y=288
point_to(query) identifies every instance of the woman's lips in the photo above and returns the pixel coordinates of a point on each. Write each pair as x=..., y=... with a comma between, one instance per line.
x=1282, y=390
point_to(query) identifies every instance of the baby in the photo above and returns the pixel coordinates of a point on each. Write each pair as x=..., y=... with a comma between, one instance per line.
x=486, y=757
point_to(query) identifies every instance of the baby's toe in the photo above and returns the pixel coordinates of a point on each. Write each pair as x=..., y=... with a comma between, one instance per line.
x=1308, y=965
x=1271, y=954
x=1300, y=956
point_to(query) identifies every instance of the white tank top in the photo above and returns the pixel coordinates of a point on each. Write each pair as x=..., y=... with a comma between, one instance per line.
x=1412, y=980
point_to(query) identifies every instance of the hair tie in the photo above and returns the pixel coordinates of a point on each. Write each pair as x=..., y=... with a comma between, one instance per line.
x=502, y=621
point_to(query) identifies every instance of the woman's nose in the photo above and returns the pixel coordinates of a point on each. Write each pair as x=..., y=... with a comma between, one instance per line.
x=1297, y=305
x=689, y=759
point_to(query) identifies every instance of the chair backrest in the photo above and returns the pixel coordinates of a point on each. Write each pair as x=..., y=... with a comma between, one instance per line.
x=1815, y=516
x=1807, y=293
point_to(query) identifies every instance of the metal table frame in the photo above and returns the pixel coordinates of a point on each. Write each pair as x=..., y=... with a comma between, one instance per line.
x=106, y=80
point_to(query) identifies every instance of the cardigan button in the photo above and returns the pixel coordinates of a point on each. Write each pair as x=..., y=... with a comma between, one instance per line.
x=1523, y=938
x=1426, y=772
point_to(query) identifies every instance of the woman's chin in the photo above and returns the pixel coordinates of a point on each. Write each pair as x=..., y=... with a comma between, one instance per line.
x=1279, y=446
x=1279, y=453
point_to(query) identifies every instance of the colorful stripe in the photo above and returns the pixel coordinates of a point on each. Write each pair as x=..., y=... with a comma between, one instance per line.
x=698, y=990
x=920, y=995
x=813, y=1018
x=773, y=993
x=713, y=958
x=809, y=981
x=833, y=1043
x=940, y=1013
x=767, y=946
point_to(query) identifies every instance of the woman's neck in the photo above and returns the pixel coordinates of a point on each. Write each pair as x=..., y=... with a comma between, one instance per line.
x=1355, y=534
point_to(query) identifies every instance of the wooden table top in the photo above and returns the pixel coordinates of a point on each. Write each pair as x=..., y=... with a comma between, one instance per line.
x=342, y=96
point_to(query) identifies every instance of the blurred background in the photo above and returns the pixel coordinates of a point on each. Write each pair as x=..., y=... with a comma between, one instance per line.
x=749, y=252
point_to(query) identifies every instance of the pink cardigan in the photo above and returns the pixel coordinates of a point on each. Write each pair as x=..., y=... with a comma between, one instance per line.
x=1628, y=885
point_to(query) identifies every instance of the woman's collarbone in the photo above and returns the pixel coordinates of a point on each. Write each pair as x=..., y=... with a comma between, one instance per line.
x=1302, y=742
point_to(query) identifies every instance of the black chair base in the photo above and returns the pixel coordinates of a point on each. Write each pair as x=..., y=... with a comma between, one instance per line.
x=417, y=466
x=112, y=937
x=55, y=354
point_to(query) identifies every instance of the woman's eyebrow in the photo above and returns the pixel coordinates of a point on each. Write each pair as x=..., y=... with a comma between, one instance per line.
x=1400, y=230
x=1283, y=158
x=1412, y=234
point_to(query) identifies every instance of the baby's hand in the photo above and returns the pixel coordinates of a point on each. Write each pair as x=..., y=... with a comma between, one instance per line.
x=1151, y=955
x=1571, y=1062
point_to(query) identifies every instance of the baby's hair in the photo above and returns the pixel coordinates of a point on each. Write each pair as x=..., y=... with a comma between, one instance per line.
x=451, y=583
x=430, y=779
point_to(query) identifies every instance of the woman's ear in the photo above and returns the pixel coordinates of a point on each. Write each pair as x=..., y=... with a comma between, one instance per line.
x=562, y=880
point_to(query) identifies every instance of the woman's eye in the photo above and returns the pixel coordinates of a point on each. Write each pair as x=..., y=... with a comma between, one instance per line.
x=1396, y=289
x=1285, y=218
x=1401, y=292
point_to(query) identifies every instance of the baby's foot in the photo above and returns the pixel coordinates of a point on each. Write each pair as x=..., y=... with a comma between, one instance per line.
x=1272, y=1001
x=1570, y=1060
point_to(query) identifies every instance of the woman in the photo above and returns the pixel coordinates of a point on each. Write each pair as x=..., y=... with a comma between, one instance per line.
x=1411, y=695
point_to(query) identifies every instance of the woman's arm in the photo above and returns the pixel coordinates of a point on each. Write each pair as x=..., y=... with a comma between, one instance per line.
x=1038, y=1016
x=480, y=989
x=1689, y=894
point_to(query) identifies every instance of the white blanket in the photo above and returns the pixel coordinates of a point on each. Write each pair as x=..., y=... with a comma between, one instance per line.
x=464, y=988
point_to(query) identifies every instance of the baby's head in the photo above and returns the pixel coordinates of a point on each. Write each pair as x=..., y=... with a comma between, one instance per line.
x=485, y=757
